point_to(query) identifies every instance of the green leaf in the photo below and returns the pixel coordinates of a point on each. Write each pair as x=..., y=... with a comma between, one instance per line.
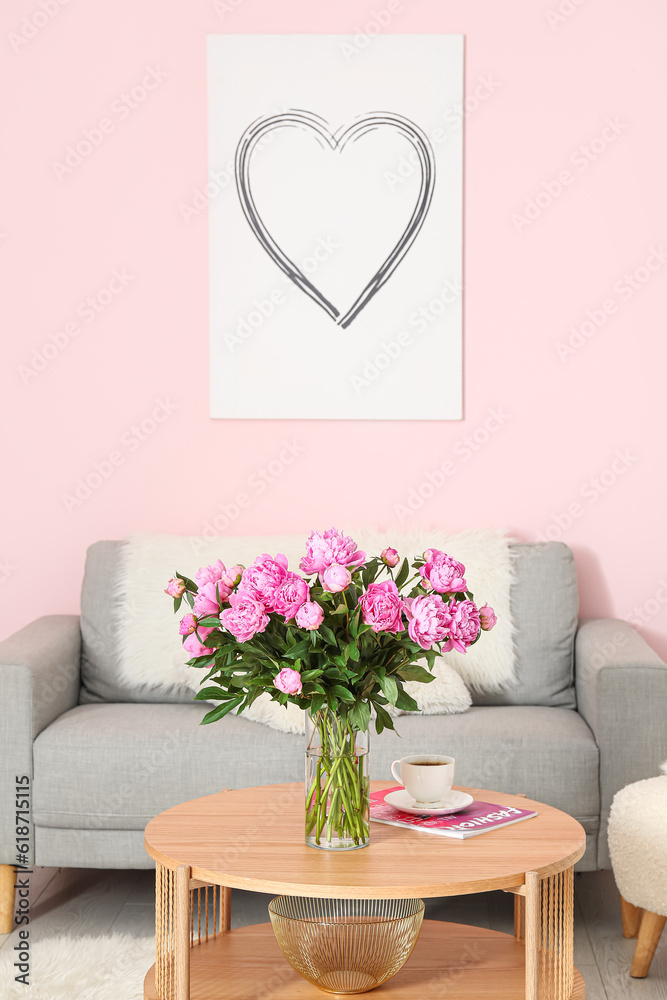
x=406, y=703
x=383, y=719
x=342, y=693
x=328, y=635
x=360, y=715
x=390, y=689
x=403, y=574
x=413, y=672
x=353, y=650
x=189, y=598
x=212, y=694
x=220, y=711
x=340, y=610
x=332, y=701
x=200, y=661
x=317, y=702
x=297, y=651
x=211, y=621
x=177, y=603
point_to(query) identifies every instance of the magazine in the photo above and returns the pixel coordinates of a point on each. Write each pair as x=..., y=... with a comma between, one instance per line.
x=478, y=817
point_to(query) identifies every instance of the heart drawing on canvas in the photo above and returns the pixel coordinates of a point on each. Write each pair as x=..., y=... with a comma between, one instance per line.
x=336, y=142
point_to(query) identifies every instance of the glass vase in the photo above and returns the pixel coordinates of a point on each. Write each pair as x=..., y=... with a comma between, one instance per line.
x=337, y=783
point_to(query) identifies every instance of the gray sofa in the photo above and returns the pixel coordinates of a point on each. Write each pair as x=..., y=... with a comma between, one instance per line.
x=587, y=716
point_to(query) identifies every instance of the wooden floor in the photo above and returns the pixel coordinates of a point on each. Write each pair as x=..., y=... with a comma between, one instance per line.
x=90, y=903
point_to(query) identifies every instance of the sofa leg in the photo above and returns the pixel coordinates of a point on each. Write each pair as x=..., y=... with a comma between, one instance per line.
x=631, y=916
x=650, y=930
x=7, y=879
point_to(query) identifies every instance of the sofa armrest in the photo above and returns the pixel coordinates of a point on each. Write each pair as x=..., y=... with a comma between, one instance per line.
x=621, y=686
x=40, y=677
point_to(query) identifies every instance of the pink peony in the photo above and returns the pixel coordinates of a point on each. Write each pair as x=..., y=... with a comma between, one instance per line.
x=487, y=617
x=290, y=595
x=175, y=587
x=389, y=557
x=194, y=647
x=429, y=619
x=231, y=577
x=336, y=578
x=288, y=681
x=262, y=579
x=187, y=625
x=210, y=574
x=443, y=573
x=326, y=547
x=381, y=607
x=464, y=628
x=245, y=617
x=206, y=602
x=309, y=615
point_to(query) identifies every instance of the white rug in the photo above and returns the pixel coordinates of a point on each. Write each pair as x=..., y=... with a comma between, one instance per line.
x=81, y=968
x=150, y=647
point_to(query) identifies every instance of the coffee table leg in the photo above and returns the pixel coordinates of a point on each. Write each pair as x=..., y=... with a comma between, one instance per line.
x=549, y=934
x=182, y=922
x=172, y=932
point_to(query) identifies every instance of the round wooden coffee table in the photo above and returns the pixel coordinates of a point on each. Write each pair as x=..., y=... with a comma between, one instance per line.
x=253, y=838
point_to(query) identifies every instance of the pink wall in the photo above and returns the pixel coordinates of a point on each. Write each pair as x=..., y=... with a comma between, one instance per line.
x=557, y=81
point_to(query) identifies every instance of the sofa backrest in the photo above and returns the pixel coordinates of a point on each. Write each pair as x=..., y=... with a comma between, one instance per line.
x=544, y=607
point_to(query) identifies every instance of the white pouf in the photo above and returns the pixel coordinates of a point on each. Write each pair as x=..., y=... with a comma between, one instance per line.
x=638, y=843
x=638, y=846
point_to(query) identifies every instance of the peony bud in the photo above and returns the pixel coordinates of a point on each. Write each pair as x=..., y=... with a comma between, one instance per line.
x=288, y=681
x=188, y=625
x=232, y=576
x=487, y=617
x=390, y=557
x=309, y=615
x=175, y=587
x=336, y=578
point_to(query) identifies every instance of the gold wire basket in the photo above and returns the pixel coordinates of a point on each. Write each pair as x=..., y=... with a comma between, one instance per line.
x=346, y=945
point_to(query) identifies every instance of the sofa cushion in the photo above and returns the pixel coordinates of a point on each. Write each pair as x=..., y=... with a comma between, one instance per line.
x=132, y=761
x=545, y=607
x=101, y=677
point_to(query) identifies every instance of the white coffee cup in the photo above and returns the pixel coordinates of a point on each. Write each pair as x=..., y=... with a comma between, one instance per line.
x=428, y=778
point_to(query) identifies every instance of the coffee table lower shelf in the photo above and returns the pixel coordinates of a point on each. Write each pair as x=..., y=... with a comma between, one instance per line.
x=452, y=961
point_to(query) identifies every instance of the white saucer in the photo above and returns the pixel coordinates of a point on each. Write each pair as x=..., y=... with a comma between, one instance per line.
x=454, y=802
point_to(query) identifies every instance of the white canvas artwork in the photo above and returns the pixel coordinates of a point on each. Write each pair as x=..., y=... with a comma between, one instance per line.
x=335, y=227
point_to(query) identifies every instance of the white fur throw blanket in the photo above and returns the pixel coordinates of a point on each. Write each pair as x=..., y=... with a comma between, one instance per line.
x=151, y=651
